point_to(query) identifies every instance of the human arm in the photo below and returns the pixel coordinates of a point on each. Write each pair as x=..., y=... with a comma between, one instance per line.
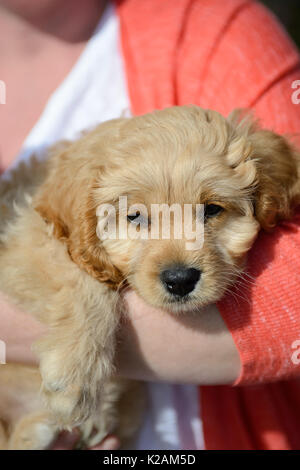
x=19, y=331
x=194, y=349
x=229, y=55
x=191, y=348
x=264, y=316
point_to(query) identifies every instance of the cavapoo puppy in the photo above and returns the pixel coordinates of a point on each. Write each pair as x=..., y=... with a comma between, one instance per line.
x=55, y=264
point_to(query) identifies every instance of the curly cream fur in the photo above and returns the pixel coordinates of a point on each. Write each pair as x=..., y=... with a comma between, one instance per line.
x=54, y=266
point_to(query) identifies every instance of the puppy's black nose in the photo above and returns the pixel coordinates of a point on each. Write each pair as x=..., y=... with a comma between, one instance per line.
x=180, y=280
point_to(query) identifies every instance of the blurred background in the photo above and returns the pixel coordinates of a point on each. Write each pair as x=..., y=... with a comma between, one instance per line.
x=288, y=11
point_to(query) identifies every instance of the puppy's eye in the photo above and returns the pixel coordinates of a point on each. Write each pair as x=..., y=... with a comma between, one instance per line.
x=212, y=210
x=134, y=218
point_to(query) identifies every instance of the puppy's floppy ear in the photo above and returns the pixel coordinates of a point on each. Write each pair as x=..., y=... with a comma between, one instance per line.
x=66, y=203
x=277, y=170
x=86, y=248
x=278, y=190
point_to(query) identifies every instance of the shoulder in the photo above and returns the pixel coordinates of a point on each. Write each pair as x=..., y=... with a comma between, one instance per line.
x=232, y=56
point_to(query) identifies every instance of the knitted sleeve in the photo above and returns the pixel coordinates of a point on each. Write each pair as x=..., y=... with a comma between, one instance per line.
x=256, y=65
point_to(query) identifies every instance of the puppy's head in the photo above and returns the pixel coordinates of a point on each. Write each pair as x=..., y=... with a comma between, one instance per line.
x=107, y=193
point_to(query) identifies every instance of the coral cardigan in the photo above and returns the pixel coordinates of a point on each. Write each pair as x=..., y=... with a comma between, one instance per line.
x=221, y=55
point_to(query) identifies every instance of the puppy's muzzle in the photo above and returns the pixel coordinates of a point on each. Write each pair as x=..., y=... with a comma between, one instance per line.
x=180, y=280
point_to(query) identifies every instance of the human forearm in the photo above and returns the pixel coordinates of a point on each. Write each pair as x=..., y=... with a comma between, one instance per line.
x=193, y=348
x=153, y=345
x=18, y=330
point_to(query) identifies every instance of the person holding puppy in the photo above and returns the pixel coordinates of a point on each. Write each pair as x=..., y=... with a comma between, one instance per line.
x=240, y=58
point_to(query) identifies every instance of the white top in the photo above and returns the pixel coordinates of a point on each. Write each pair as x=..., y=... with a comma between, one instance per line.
x=95, y=91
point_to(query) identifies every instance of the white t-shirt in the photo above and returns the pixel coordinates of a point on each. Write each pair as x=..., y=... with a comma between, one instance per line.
x=95, y=91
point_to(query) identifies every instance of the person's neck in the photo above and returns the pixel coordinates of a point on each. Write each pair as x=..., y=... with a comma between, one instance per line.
x=68, y=20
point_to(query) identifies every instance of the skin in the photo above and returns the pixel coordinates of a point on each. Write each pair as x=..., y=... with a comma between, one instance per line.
x=199, y=348
x=50, y=35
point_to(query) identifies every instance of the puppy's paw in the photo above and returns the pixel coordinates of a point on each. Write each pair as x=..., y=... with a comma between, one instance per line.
x=71, y=391
x=71, y=406
x=93, y=431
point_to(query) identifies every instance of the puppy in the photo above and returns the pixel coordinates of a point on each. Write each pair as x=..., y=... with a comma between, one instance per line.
x=58, y=263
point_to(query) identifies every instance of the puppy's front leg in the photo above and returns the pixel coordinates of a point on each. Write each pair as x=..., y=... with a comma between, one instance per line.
x=76, y=357
x=80, y=312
